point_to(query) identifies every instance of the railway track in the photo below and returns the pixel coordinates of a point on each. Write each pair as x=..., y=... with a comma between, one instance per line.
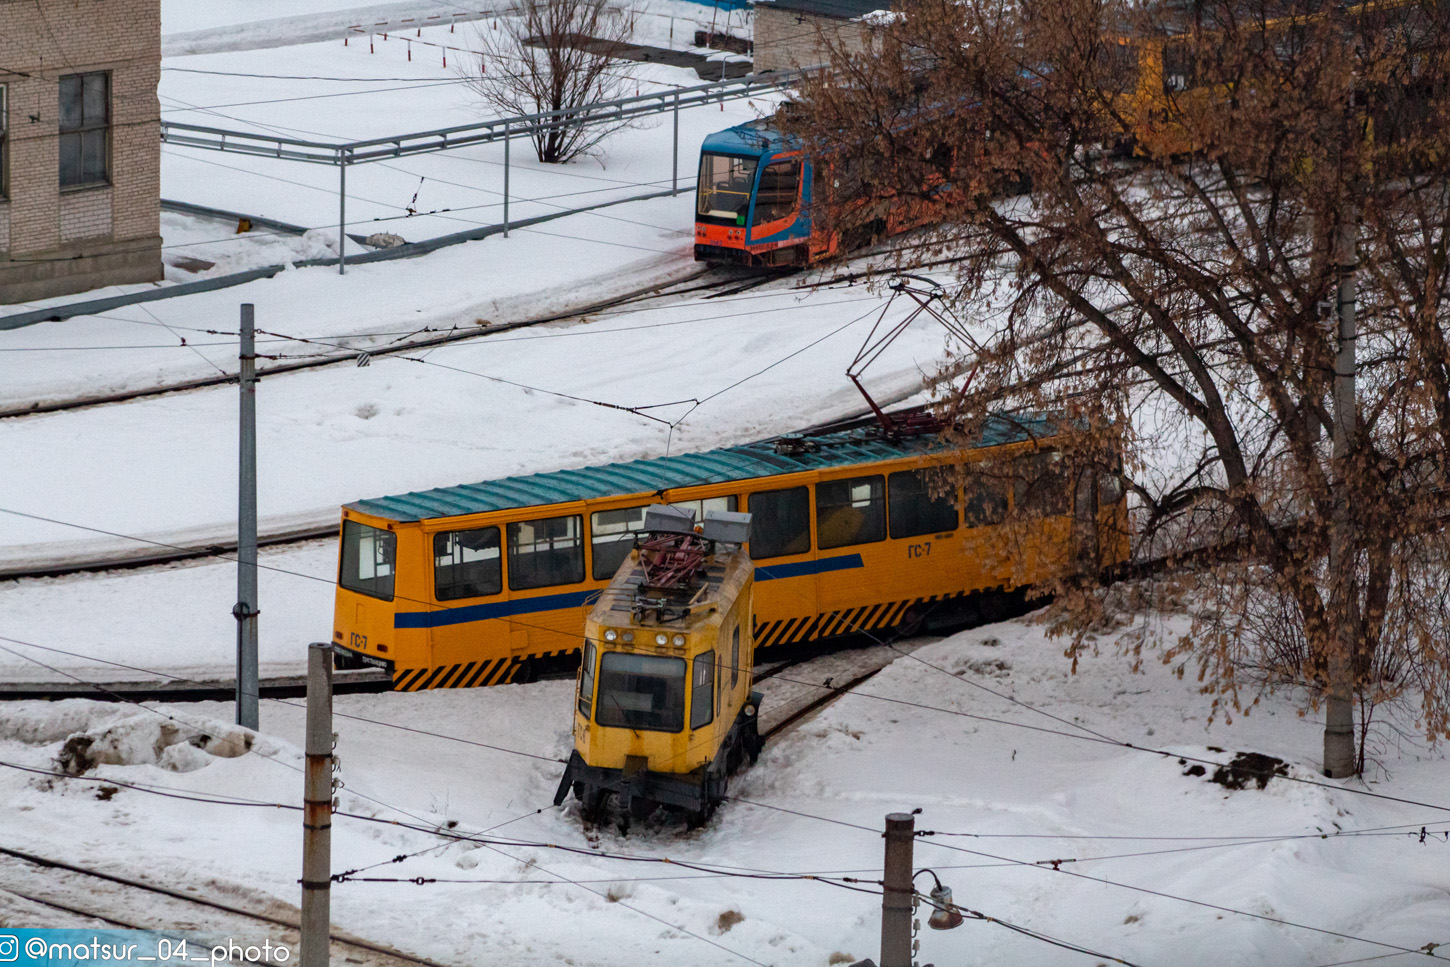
x=730, y=281
x=86, y=897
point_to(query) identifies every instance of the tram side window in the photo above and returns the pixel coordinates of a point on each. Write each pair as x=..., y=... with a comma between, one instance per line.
x=466, y=564
x=611, y=536
x=1040, y=486
x=780, y=189
x=984, y=498
x=368, y=560
x=914, y=511
x=546, y=552
x=641, y=692
x=702, y=691
x=586, y=680
x=780, y=522
x=850, y=511
x=735, y=657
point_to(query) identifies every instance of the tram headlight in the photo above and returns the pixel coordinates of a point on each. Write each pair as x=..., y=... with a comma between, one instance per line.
x=679, y=641
x=662, y=638
x=628, y=637
x=611, y=635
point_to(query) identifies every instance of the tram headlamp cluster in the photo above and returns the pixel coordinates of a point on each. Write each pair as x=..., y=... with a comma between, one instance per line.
x=611, y=634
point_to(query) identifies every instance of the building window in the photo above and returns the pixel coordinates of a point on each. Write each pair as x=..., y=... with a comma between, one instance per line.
x=85, y=129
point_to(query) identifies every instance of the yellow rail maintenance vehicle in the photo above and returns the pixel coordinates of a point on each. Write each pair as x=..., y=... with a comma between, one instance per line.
x=663, y=711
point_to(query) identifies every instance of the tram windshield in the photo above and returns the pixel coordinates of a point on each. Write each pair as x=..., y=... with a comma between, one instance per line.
x=641, y=692
x=725, y=184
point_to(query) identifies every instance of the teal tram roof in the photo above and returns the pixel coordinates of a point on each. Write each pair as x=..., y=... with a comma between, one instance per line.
x=753, y=138
x=766, y=458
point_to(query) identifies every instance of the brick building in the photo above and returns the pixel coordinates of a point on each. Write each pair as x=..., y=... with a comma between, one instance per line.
x=80, y=153
x=793, y=33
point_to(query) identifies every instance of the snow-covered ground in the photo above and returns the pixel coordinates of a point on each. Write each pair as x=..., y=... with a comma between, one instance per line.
x=1137, y=838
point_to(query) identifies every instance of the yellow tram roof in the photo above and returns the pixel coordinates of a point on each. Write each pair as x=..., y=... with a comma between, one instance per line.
x=766, y=458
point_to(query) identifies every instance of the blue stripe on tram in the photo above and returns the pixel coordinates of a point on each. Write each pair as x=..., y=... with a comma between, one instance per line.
x=496, y=609
x=841, y=562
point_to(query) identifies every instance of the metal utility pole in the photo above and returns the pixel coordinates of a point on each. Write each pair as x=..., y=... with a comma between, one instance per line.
x=675, y=166
x=505, y=180
x=341, y=212
x=317, y=810
x=897, y=891
x=246, y=610
x=1339, y=752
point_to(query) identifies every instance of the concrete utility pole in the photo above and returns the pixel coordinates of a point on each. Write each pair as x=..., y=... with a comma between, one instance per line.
x=1339, y=752
x=897, y=891
x=317, y=810
x=246, y=610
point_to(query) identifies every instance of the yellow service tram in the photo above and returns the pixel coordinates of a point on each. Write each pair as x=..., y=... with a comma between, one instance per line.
x=491, y=582
x=663, y=711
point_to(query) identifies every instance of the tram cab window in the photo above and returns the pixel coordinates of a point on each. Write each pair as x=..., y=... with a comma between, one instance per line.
x=724, y=192
x=586, y=680
x=779, y=192
x=641, y=692
x=914, y=510
x=466, y=564
x=780, y=522
x=850, y=511
x=368, y=560
x=735, y=657
x=702, y=690
x=546, y=552
x=984, y=497
x=1040, y=486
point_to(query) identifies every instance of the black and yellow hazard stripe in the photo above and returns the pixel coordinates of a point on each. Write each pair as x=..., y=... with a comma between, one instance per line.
x=850, y=621
x=498, y=671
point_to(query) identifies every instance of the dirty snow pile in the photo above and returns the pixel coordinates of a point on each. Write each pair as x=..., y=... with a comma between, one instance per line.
x=1037, y=817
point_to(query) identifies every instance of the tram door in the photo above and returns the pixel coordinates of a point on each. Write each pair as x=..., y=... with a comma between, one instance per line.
x=780, y=547
x=545, y=569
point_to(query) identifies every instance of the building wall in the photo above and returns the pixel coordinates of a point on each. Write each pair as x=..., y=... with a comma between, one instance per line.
x=54, y=241
x=788, y=39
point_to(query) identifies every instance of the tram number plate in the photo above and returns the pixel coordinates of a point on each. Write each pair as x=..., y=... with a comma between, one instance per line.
x=359, y=642
x=919, y=550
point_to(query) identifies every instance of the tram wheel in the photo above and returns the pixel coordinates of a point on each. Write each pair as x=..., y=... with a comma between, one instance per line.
x=641, y=808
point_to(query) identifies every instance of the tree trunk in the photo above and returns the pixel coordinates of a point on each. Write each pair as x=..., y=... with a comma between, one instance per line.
x=1339, y=745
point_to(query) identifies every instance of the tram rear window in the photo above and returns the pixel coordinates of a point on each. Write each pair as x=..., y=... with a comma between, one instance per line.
x=724, y=192
x=641, y=692
x=780, y=189
x=368, y=560
x=914, y=511
x=466, y=564
x=546, y=552
x=850, y=511
x=780, y=523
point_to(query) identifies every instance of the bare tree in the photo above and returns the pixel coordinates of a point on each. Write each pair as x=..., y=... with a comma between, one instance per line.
x=554, y=55
x=1231, y=268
